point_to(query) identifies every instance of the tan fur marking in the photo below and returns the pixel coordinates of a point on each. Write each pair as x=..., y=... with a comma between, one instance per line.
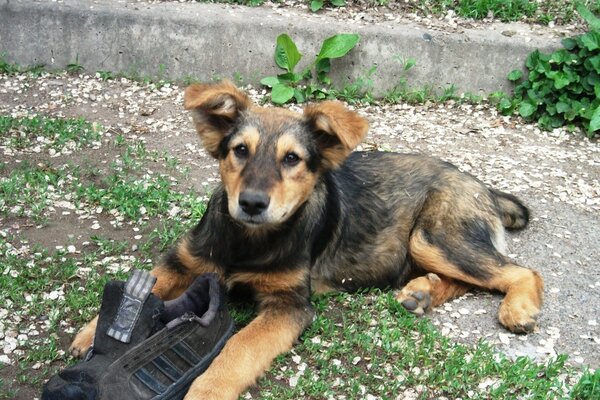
x=431, y=259
x=217, y=100
x=289, y=144
x=332, y=118
x=230, y=171
x=290, y=193
x=524, y=290
x=320, y=287
x=248, y=137
x=271, y=282
x=169, y=284
x=84, y=339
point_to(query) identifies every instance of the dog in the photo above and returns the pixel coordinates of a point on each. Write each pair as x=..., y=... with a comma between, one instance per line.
x=298, y=212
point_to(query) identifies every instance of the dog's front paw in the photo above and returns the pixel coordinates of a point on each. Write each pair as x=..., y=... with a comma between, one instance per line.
x=83, y=340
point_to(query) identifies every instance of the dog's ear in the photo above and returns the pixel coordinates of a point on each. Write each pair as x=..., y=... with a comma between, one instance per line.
x=215, y=107
x=337, y=131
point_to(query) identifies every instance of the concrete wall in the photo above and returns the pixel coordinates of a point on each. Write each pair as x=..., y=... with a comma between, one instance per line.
x=210, y=40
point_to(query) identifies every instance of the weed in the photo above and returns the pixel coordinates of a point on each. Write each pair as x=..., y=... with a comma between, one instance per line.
x=28, y=190
x=359, y=91
x=316, y=5
x=562, y=88
x=105, y=75
x=74, y=67
x=33, y=134
x=541, y=11
x=301, y=86
x=588, y=386
x=11, y=68
x=6, y=67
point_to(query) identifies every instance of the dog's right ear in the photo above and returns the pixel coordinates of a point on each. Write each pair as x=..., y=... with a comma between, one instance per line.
x=215, y=107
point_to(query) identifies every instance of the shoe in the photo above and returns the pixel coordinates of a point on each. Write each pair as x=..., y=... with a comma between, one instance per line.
x=145, y=348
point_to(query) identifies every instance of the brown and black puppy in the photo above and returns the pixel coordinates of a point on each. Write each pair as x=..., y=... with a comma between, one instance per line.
x=297, y=213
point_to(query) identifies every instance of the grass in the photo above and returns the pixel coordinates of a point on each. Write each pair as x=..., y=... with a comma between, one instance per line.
x=541, y=11
x=38, y=133
x=368, y=345
x=360, y=346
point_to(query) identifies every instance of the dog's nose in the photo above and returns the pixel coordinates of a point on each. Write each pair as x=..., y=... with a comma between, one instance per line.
x=253, y=203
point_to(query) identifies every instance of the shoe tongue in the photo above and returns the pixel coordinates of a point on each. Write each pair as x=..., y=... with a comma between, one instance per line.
x=126, y=318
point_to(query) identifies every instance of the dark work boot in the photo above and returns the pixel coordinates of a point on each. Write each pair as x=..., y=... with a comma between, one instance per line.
x=145, y=348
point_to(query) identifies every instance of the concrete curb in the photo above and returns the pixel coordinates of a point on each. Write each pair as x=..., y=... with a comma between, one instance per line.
x=207, y=41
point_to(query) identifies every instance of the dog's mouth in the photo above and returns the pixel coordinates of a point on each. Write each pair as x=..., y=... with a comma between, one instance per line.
x=251, y=220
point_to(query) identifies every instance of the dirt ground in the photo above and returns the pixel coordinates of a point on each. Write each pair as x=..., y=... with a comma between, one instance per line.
x=557, y=174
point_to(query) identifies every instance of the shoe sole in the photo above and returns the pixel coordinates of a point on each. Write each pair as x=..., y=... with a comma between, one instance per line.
x=178, y=390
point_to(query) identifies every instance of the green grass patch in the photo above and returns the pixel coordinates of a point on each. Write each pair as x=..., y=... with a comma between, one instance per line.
x=39, y=133
x=29, y=190
x=367, y=345
x=542, y=11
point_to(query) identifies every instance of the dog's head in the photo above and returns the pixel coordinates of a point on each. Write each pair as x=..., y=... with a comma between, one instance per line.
x=270, y=158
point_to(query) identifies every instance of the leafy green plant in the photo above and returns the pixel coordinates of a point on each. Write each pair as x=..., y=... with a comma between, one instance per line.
x=6, y=67
x=74, y=67
x=105, y=75
x=301, y=86
x=588, y=386
x=561, y=88
x=316, y=5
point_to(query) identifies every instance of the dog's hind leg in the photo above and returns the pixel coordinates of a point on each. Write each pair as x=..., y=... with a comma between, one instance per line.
x=478, y=263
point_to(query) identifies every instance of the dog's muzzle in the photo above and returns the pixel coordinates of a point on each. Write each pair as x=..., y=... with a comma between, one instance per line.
x=253, y=203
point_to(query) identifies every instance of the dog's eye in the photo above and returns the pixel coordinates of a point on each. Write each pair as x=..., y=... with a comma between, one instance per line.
x=291, y=159
x=241, y=151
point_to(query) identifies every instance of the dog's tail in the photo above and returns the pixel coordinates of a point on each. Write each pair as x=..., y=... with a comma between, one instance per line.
x=513, y=212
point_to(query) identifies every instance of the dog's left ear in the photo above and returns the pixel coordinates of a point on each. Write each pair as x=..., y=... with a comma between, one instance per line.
x=215, y=107
x=337, y=131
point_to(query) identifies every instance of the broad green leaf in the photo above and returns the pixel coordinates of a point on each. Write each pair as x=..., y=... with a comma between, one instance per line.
x=532, y=60
x=316, y=5
x=594, y=62
x=505, y=105
x=527, y=109
x=322, y=68
x=289, y=77
x=269, y=81
x=597, y=91
x=588, y=16
x=562, y=108
x=562, y=57
x=338, y=3
x=515, y=75
x=299, y=96
x=560, y=79
x=320, y=95
x=307, y=73
x=338, y=45
x=569, y=43
x=595, y=121
x=591, y=40
x=281, y=94
x=411, y=62
x=286, y=53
